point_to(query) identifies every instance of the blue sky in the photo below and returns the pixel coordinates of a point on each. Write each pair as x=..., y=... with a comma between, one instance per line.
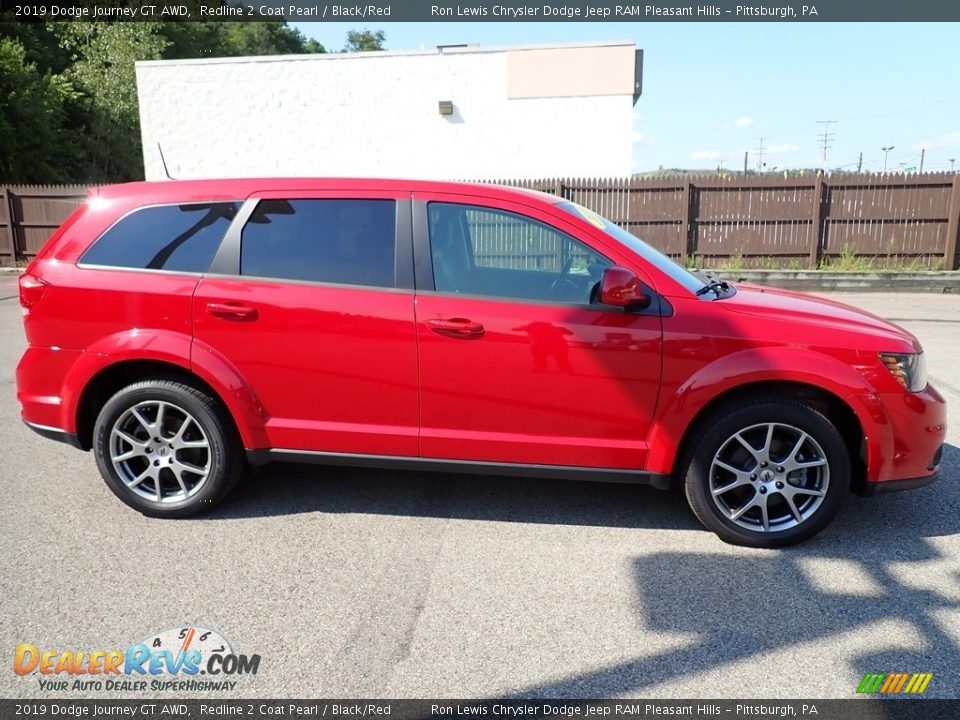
x=713, y=90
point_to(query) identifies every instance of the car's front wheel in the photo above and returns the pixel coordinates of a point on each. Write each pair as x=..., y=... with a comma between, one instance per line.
x=767, y=473
x=166, y=448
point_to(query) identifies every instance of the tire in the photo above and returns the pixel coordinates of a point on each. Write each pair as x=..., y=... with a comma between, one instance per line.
x=800, y=488
x=181, y=468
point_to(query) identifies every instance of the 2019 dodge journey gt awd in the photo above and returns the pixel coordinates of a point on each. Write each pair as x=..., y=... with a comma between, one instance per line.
x=185, y=330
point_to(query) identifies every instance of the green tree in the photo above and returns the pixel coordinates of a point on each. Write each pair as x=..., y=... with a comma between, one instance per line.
x=68, y=90
x=103, y=70
x=364, y=40
x=265, y=38
x=33, y=146
x=40, y=43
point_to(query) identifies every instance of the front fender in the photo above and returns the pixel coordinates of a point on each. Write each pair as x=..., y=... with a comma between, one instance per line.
x=173, y=348
x=678, y=409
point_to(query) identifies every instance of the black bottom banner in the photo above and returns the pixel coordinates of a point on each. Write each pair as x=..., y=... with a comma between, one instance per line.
x=858, y=709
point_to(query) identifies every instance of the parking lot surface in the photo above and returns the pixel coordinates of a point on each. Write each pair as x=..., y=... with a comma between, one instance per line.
x=368, y=583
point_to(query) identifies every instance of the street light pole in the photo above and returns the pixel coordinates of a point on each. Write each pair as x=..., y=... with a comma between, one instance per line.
x=886, y=151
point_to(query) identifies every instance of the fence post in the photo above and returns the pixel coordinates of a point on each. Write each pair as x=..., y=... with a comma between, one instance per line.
x=685, y=221
x=950, y=249
x=11, y=228
x=816, y=218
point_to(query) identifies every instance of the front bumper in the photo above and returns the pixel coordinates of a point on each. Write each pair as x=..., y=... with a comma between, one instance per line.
x=904, y=440
x=872, y=489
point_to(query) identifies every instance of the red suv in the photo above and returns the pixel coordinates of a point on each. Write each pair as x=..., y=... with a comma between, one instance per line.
x=184, y=330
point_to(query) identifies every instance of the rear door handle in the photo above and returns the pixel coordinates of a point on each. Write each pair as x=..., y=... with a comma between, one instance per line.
x=456, y=328
x=232, y=311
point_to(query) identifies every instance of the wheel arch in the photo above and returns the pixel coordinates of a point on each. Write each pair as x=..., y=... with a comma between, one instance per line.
x=115, y=376
x=835, y=408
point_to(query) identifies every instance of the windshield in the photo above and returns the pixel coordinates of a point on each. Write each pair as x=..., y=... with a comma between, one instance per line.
x=677, y=272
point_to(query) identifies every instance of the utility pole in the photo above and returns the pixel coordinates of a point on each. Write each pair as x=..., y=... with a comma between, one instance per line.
x=952, y=161
x=826, y=138
x=746, y=154
x=886, y=151
x=923, y=151
x=860, y=164
x=760, y=156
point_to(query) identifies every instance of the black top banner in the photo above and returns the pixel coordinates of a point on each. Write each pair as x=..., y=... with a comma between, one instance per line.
x=381, y=11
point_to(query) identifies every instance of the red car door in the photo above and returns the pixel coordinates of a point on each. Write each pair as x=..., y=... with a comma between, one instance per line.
x=312, y=304
x=516, y=364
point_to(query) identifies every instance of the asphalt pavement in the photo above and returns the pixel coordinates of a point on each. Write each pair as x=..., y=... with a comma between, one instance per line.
x=368, y=583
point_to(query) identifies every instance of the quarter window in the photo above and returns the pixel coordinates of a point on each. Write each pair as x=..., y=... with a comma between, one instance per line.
x=349, y=242
x=169, y=237
x=483, y=251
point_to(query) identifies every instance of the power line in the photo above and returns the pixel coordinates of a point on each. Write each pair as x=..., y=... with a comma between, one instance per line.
x=760, y=155
x=826, y=138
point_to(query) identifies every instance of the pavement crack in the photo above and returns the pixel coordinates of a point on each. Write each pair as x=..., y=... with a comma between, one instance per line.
x=383, y=635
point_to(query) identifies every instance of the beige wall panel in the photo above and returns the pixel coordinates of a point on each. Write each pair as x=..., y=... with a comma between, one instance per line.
x=570, y=72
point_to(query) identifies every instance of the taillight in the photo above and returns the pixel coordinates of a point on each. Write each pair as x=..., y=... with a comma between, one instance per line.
x=32, y=289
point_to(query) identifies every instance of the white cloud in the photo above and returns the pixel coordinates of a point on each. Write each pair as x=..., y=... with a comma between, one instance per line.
x=637, y=137
x=705, y=155
x=744, y=121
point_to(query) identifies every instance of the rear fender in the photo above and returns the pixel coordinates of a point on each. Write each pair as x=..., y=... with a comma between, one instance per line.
x=172, y=348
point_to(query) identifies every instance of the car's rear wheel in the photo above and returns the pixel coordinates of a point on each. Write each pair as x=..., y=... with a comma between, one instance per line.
x=767, y=473
x=166, y=448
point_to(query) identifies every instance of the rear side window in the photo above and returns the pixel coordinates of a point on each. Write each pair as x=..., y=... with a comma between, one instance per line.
x=350, y=242
x=182, y=238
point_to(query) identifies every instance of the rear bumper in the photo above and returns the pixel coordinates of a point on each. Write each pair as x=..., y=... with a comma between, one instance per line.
x=40, y=385
x=52, y=433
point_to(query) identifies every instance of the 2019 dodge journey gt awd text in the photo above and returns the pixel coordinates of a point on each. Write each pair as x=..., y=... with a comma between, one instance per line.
x=184, y=330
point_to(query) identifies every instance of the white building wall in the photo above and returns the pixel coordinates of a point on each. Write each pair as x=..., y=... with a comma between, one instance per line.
x=372, y=114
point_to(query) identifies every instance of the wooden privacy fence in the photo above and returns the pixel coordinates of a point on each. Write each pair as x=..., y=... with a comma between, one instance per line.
x=795, y=222
x=765, y=220
x=30, y=213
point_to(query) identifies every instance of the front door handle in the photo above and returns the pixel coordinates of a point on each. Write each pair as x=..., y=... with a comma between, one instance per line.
x=456, y=328
x=232, y=311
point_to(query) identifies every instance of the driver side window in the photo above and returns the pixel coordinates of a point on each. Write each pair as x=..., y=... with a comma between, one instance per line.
x=483, y=251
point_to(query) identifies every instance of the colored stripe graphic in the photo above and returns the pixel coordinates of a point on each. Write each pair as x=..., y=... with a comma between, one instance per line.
x=871, y=682
x=894, y=683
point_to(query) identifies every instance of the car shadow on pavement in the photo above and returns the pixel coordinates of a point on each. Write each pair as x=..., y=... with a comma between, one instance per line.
x=877, y=574
x=285, y=489
x=288, y=489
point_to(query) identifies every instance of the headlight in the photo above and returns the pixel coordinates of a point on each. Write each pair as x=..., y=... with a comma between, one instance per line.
x=910, y=369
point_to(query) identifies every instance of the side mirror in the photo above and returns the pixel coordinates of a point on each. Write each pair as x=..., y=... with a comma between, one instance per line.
x=621, y=287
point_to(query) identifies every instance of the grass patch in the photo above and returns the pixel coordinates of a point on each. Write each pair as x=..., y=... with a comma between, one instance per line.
x=847, y=261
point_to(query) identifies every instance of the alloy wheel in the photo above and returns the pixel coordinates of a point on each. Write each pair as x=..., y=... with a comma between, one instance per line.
x=160, y=451
x=769, y=477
